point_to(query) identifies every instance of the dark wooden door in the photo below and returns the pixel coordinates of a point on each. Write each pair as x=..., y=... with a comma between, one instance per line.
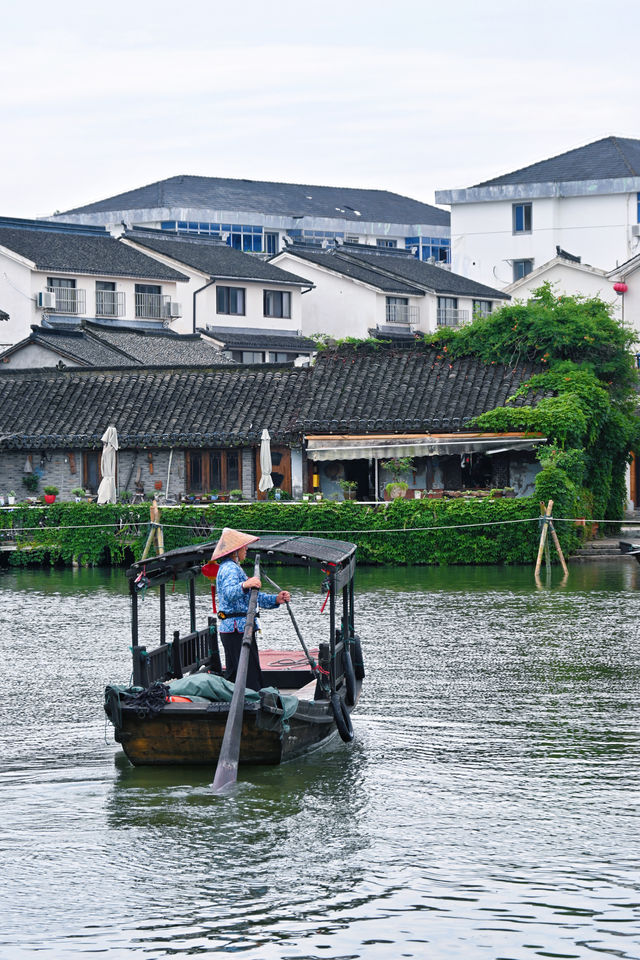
x=281, y=469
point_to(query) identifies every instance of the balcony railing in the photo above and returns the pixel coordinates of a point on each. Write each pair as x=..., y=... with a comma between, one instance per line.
x=110, y=303
x=402, y=313
x=69, y=299
x=452, y=318
x=152, y=306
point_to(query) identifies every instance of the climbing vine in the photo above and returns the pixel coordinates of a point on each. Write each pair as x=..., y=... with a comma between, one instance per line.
x=586, y=395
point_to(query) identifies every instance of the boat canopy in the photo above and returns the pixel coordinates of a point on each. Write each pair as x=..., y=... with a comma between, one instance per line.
x=185, y=562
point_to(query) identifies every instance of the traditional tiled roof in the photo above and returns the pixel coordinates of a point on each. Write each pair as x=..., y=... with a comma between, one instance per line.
x=389, y=390
x=395, y=271
x=249, y=339
x=331, y=259
x=213, y=258
x=168, y=407
x=281, y=199
x=404, y=389
x=99, y=345
x=71, y=249
x=609, y=158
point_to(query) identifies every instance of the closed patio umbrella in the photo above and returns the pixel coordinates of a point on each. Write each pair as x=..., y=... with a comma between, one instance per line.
x=266, y=482
x=107, y=488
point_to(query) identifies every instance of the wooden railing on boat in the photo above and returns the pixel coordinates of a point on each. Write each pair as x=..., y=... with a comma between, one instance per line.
x=183, y=655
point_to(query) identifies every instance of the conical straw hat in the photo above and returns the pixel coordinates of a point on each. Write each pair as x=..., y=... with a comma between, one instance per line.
x=231, y=540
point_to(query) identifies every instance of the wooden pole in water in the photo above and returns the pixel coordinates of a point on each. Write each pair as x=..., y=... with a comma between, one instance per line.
x=543, y=534
x=156, y=534
x=556, y=543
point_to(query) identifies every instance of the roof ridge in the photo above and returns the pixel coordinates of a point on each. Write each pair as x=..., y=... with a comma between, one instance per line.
x=623, y=157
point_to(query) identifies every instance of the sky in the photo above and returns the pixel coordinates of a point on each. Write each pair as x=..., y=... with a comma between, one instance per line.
x=411, y=96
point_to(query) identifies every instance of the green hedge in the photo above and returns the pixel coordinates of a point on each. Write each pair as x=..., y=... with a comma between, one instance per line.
x=91, y=535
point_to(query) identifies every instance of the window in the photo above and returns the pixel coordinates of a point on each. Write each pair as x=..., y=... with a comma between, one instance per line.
x=522, y=218
x=252, y=356
x=277, y=303
x=427, y=248
x=109, y=303
x=277, y=356
x=91, y=470
x=397, y=310
x=271, y=244
x=149, y=301
x=482, y=308
x=386, y=243
x=68, y=298
x=209, y=470
x=521, y=268
x=230, y=300
x=448, y=313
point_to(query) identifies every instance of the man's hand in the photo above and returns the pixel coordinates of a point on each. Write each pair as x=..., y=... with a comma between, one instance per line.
x=251, y=583
x=283, y=597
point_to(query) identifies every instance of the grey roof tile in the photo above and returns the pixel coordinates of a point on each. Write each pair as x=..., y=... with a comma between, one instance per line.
x=282, y=199
x=214, y=258
x=395, y=272
x=609, y=158
x=234, y=339
x=76, y=252
x=391, y=389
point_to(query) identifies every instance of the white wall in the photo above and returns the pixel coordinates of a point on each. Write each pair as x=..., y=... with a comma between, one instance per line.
x=595, y=228
x=570, y=279
x=20, y=285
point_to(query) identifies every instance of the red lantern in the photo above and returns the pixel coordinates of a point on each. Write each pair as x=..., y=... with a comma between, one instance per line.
x=620, y=287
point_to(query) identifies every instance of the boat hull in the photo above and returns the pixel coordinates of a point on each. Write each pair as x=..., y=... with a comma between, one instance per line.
x=190, y=734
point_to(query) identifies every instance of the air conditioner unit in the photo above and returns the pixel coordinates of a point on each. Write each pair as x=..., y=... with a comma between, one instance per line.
x=174, y=309
x=635, y=230
x=46, y=300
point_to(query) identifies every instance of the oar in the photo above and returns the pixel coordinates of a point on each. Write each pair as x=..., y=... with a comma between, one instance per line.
x=312, y=663
x=227, y=769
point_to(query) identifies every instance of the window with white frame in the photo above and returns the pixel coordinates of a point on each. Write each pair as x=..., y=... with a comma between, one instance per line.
x=277, y=303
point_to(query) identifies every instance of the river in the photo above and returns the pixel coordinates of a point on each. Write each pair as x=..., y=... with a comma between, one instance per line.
x=488, y=806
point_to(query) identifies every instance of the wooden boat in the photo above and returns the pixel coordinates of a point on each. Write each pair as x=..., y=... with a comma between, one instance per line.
x=155, y=730
x=630, y=549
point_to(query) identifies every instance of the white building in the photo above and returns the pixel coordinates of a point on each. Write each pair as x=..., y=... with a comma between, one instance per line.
x=361, y=291
x=72, y=273
x=252, y=308
x=586, y=201
x=570, y=277
x=256, y=216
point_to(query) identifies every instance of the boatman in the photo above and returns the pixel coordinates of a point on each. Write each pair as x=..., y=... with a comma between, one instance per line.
x=233, y=588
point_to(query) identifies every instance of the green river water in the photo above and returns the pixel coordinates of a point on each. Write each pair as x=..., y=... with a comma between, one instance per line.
x=488, y=806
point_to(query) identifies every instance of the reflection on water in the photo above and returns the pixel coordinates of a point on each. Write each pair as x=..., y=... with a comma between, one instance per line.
x=488, y=807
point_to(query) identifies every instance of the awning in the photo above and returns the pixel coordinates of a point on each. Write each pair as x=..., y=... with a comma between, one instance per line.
x=381, y=448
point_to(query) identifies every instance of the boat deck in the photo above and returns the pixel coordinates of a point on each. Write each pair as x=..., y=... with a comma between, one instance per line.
x=290, y=660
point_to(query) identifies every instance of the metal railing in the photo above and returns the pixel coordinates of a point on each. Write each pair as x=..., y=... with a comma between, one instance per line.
x=452, y=318
x=110, y=303
x=152, y=306
x=402, y=313
x=69, y=299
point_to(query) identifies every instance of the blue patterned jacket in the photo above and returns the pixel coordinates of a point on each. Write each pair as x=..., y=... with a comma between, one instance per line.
x=231, y=598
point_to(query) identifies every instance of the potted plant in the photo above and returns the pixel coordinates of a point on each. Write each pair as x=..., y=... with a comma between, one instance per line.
x=11, y=498
x=79, y=494
x=50, y=494
x=235, y=495
x=30, y=481
x=398, y=467
x=349, y=489
x=213, y=494
x=306, y=497
x=508, y=492
x=125, y=496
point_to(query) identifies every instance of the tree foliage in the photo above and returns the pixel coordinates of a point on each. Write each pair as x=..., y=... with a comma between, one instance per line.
x=585, y=387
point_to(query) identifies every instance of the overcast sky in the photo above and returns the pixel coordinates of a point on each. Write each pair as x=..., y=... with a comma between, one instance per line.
x=410, y=96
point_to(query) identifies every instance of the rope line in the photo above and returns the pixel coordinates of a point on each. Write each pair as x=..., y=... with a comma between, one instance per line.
x=450, y=526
